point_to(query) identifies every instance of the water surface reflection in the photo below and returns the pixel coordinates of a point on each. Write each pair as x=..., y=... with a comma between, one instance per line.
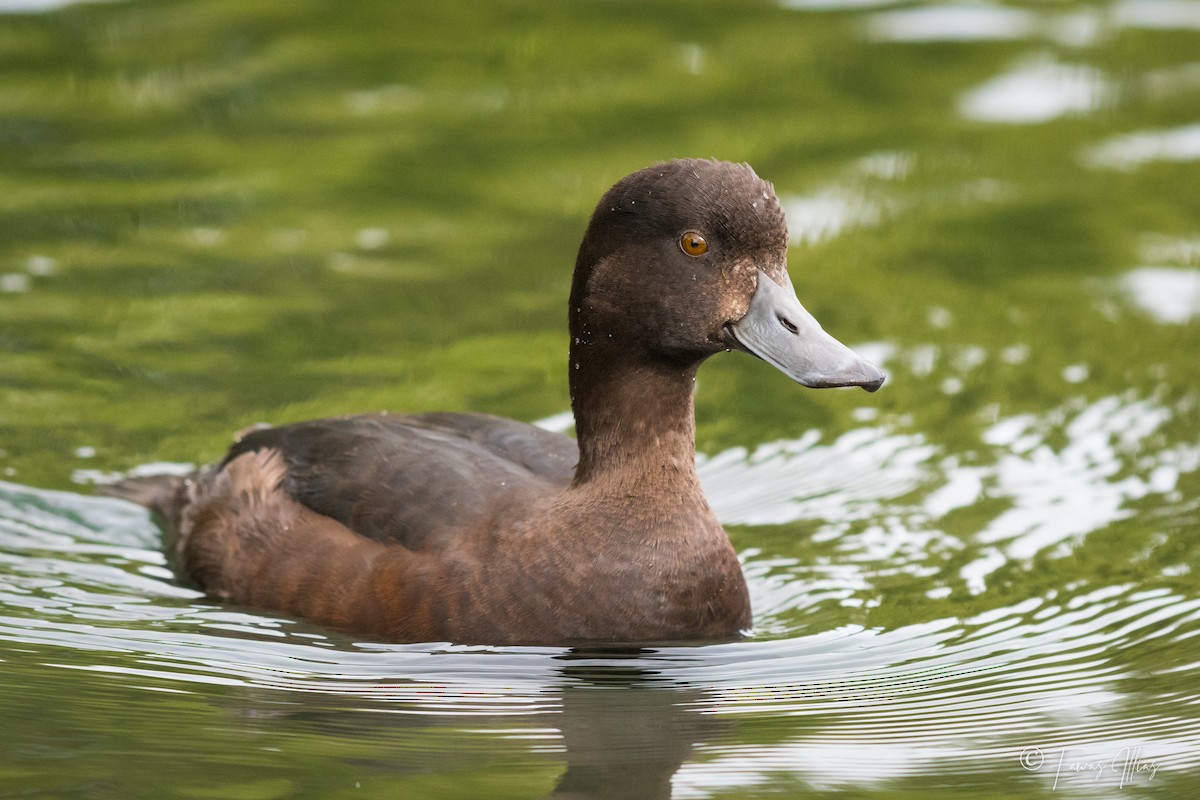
x=961, y=693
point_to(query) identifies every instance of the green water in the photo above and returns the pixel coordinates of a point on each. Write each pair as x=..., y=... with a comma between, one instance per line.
x=979, y=582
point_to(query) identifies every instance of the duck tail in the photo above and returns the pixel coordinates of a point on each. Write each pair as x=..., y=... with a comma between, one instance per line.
x=164, y=495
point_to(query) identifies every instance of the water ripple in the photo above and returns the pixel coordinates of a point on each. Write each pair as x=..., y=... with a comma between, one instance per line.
x=1059, y=676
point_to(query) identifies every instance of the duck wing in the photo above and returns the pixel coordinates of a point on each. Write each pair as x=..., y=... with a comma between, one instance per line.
x=416, y=480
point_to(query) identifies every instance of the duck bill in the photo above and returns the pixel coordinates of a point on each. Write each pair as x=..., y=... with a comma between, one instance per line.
x=779, y=330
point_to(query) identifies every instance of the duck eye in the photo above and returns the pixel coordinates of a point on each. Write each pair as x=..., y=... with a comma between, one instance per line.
x=693, y=244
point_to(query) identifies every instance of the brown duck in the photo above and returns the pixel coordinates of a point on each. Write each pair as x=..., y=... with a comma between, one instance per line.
x=476, y=529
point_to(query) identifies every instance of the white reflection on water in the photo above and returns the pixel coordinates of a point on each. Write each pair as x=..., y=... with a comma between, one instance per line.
x=859, y=199
x=38, y=6
x=1179, y=251
x=953, y=22
x=1131, y=150
x=835, y=5
x=888, y=165
x=14, y=283
x=393, y=97
x=1078, y=27
x=1161, y=83
x=1037, y=89
x=1058, y=495
x=826, y=213
x=800, y=479
x=981, y=22
x=1162, y=14
x=1053, y=495
x=870, y=192
x=1168, y=294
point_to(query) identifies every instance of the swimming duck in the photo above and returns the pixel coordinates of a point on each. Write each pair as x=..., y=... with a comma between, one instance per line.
x=470, y=528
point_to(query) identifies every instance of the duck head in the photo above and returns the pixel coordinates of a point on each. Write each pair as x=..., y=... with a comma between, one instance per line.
x=689, y=258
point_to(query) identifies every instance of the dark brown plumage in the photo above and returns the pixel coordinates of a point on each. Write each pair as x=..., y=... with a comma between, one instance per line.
x=471, y=528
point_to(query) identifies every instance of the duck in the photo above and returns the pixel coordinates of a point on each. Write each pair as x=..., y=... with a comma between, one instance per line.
x=468, y=528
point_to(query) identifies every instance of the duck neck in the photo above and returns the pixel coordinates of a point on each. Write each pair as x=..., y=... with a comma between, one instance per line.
x=634, y=419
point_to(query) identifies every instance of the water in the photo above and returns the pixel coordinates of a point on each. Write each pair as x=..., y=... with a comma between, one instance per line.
x=978, y=582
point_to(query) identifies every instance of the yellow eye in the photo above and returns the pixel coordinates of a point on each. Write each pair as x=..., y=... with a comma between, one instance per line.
x=693, y=244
